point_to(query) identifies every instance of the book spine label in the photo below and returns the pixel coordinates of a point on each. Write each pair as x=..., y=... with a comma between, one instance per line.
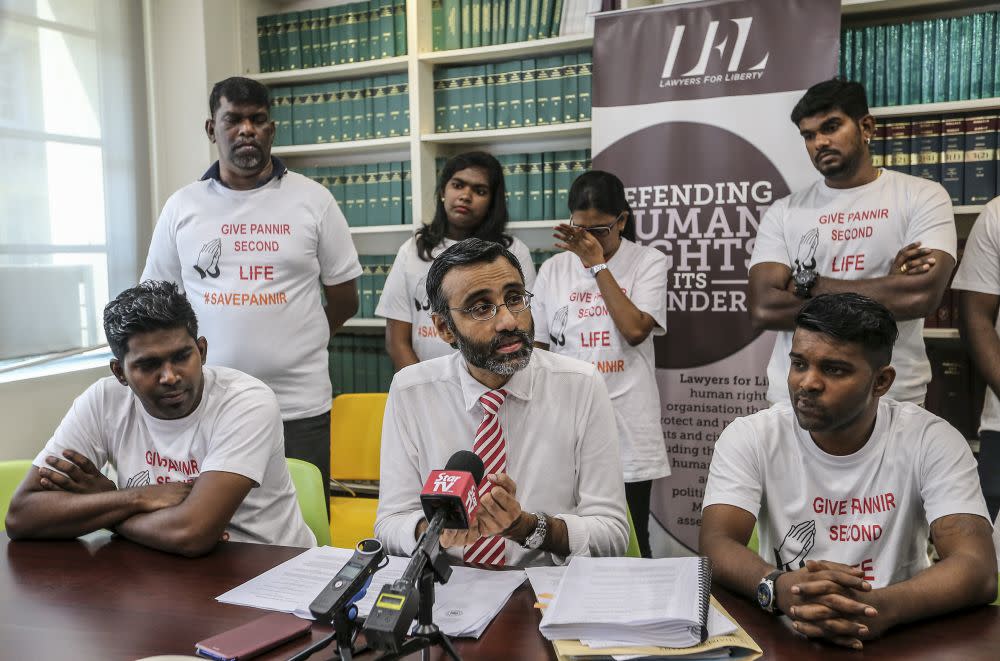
x=877, y=146
x=980, y=159
x=953, y=157
x=927, y=149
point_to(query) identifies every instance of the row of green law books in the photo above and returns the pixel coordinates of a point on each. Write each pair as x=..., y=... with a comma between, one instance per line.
x=374, y=270
x=538, y=184
x=354, y=32
x=531, y=92
x=369, y=194
x=341, y=111
x=359, y=363
x=474, y=23
x=958, y=151
x=925, y=61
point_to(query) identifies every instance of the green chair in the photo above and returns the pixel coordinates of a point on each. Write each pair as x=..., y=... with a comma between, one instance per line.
x=754, y=543
x=11, y=475
x=997, y=601
x=309, y=491
x=632, y=550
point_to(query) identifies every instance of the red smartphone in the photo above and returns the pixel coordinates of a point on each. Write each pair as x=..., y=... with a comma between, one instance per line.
x=253, y=638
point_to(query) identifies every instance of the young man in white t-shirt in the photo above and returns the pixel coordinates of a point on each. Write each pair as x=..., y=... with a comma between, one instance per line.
x=844, y=485
x=978, y=279
x=197, y=450
x=250, y=243
x=887, y=235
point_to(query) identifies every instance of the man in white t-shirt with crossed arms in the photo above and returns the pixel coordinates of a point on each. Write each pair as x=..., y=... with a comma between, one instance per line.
x=884, y=234
x=844, y=485
x=197, y=450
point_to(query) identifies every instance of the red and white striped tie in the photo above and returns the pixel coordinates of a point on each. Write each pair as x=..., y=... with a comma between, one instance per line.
x=491, y=447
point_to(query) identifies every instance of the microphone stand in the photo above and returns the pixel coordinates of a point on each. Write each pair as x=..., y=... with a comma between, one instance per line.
x=434, y=568
x=345, y=630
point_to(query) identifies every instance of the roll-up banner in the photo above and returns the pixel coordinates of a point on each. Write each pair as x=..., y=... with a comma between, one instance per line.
x=691, y=105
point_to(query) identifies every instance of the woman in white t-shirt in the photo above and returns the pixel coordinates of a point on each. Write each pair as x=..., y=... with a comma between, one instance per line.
x=471, y=202
x=601, y=301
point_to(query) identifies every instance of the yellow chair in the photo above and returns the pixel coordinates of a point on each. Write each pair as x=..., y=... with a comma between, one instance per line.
x=309, y=491
x=355, y=446
x=11, y=475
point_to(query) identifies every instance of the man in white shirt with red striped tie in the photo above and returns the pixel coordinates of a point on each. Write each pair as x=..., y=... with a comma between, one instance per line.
x=542, y=423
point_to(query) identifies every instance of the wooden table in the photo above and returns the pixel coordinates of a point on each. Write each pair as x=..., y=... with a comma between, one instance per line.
x=107, y=599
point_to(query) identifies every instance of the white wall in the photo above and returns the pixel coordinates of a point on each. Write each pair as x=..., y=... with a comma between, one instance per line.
x=177, y=93
x=31, y=409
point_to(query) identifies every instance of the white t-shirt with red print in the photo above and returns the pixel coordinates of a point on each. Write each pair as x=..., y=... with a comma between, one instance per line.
x=871, y=509
x=404, y=295
x=979, y=271
x=251, y=262
x=236, y=428
x=854, y=234
x=571, y=317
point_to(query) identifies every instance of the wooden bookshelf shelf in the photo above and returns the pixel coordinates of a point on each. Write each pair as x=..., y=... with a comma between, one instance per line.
x=969, y=105
x=940, y=333
x=494, y=136
x=381, y=239
x=335, y=72
x=534, y=224
x=361, y=322
x=378, y=145
x=383, y=229
x=511, y=51
x=856, y=8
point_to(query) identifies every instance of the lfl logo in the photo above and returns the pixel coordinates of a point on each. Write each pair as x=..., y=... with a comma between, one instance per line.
x=444, y=482
x=698, y=73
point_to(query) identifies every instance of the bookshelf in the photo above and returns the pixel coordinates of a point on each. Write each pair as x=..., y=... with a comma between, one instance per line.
x=423, y=146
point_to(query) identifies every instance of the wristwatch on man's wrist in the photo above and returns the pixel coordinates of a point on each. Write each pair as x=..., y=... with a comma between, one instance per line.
x=535, y=539
x=805, y=277
x=597, y=268
x=767, y=592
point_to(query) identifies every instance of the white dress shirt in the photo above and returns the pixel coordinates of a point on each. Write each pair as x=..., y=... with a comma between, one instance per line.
x=562, y=450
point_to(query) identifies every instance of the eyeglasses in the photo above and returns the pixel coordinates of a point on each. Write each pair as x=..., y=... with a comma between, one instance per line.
x=598, y=230
x=514, y=303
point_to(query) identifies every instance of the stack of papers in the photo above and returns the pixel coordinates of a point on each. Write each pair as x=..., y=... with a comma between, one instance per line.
x=463, y=607
x=631, y=601
x=726, y=639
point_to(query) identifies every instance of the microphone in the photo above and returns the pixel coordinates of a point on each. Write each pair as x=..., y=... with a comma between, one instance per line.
x=450, y=498
x=454, y=492
x=351, y=582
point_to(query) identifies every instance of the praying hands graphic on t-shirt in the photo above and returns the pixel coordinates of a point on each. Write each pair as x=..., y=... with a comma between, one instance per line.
x=420, y=299
x=806, y=256
x=798, y=542
x=208, y=259
x=557, y=334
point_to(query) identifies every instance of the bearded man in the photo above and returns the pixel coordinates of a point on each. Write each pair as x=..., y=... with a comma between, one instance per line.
x=542, y=423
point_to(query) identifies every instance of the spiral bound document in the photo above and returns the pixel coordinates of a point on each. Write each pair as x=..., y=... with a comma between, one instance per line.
x=632, y=601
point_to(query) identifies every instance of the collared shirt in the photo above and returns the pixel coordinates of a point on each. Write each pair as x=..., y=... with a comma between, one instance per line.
x=278, y=170
x=562, y=450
